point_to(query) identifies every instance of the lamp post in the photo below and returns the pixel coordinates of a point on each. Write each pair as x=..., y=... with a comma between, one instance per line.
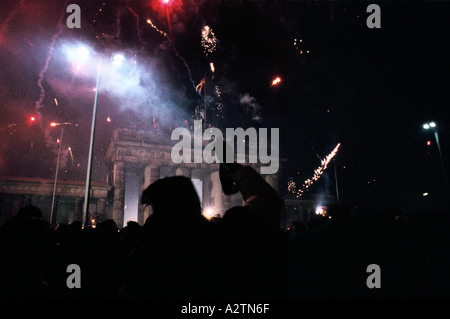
x=117, y=60
x=53, y=124
x=432, y=126
x=335, y=180
x=91, y=149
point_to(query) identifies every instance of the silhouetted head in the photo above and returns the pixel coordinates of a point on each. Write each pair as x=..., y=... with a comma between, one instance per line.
x=174, y=196
x=30, y=211
x=108, y=226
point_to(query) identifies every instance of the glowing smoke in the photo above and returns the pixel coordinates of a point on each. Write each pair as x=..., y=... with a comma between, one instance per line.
x=250, y=101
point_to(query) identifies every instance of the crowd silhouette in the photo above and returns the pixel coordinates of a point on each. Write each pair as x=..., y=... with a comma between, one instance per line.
x=178, y=254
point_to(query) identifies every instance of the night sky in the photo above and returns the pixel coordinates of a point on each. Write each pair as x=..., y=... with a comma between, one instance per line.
x=368, y=89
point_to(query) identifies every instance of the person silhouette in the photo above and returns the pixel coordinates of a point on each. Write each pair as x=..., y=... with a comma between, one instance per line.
x=180, y=254
x=170, y=259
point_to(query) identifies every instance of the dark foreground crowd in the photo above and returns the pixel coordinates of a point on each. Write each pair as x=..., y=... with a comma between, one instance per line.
x=178, y=254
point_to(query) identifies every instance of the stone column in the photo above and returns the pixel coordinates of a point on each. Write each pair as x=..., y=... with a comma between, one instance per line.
x=101, y=206
x=207, y=189
x=119, y=192
x=78, y=216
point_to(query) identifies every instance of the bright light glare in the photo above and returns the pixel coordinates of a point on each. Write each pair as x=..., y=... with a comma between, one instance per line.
x=426, y=126
x=52, y=124
x=321, y=210
x=425, y=194
x=432, y=124
x=118, y=59
x=83, y=53
x=77, y=55
x=276, y=81
x=208, y=213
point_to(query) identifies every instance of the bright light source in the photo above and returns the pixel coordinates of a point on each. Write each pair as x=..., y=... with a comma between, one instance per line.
x=53, y=124
x=77, y=53
x=432, y=124
x=32, y=119
x=425, y=194
x=321, y=210
x=118, y=59
x=83, y=53
x=276, y=80
x=208, y=213
x=426, y=126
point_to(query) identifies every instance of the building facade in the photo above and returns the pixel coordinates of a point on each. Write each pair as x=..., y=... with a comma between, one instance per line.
x=136, y=159
x=139, y=158
x=16, y=192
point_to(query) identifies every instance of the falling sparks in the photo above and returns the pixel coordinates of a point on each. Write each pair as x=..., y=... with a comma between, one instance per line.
x=298, y=46
x=108, y=119
x=12, y=129
x=164, y=34
x=292, y=187
x=209, y=40
x=318, y=172
x=56, y=101
x=98, y=12
x=212, y=67
x=218, y=92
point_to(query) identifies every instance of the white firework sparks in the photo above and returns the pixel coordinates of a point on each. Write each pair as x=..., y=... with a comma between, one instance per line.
x=318, y=172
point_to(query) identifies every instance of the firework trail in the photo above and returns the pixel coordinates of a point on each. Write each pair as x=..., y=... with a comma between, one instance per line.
x=38, y=103
x=318, y=172
x=164, y=34
x=138, y=30
x=71, y=154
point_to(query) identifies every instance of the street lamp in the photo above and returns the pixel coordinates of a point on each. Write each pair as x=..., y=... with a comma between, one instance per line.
x=433, y=127
x=83, y=55
x=53, y=124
